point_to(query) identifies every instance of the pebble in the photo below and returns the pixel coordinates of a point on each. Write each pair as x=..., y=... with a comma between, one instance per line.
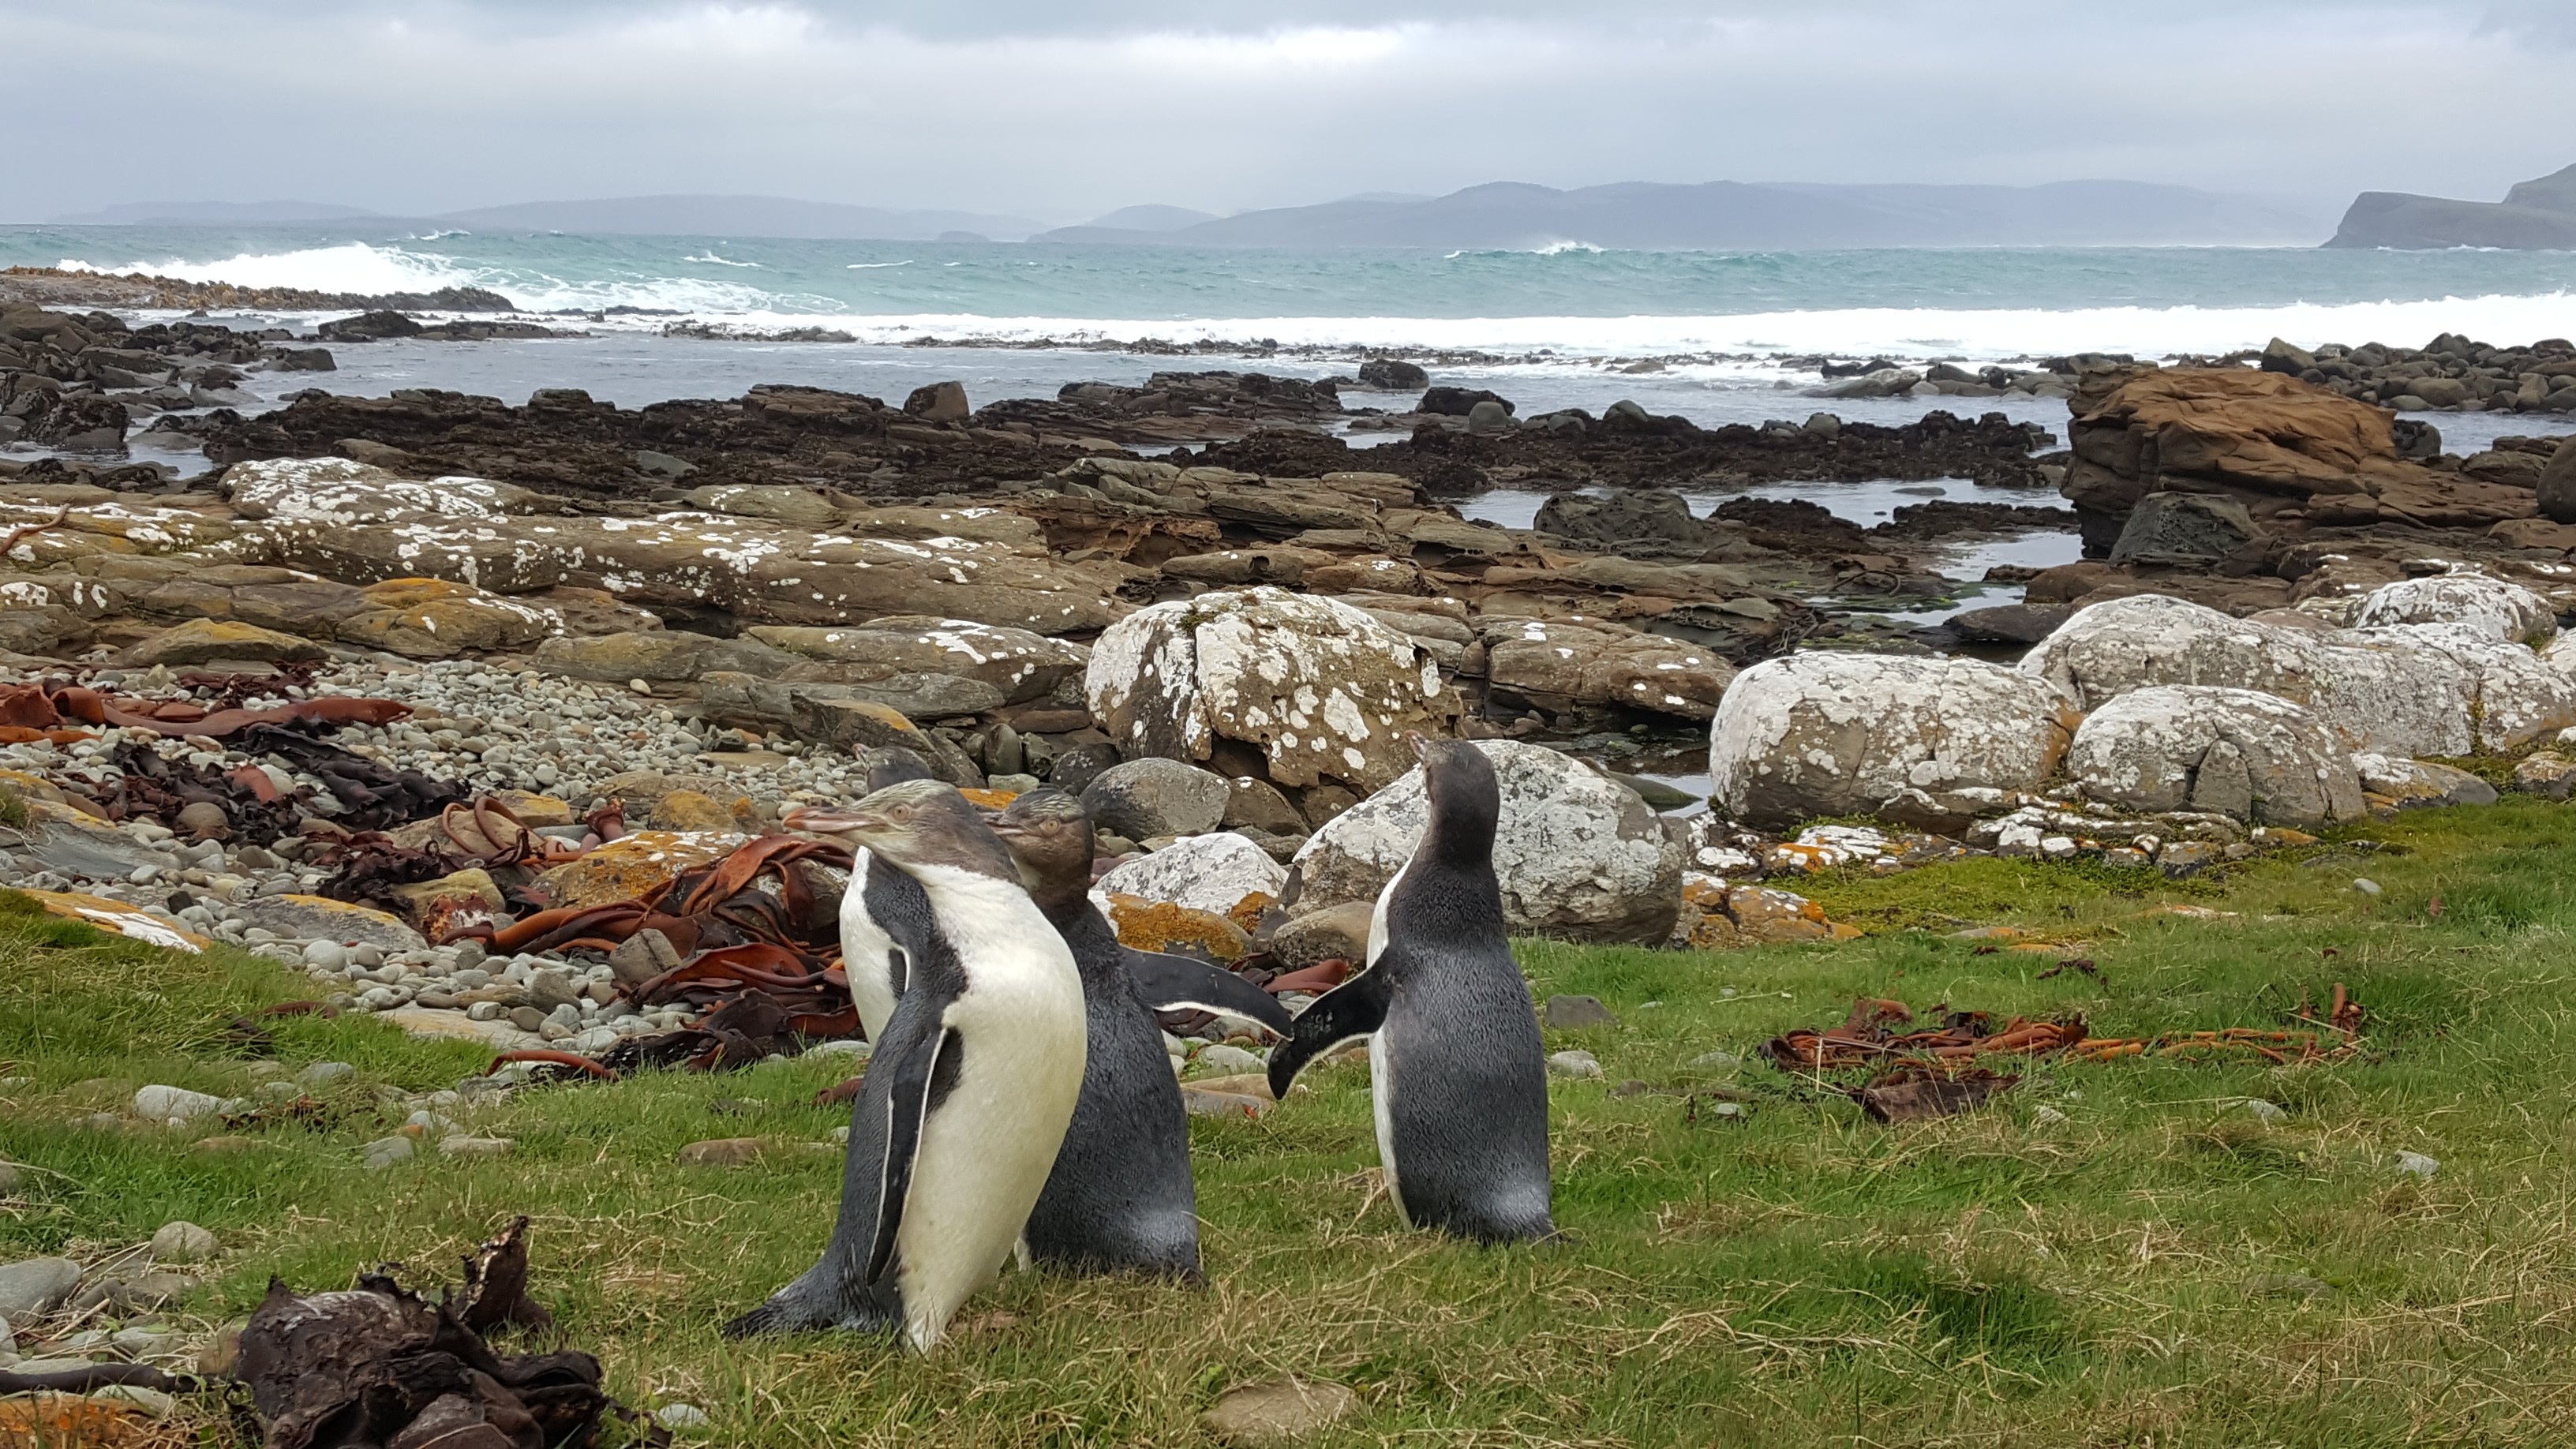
x=325, y=1074
x=1232, y=1061
x=476, y=1146
x=1575, y=1064
x=1575, y=1013
x=2048, y=1117
x=325, y=955
x=681, y=1416
x=34, y=1287
x=384, y=1152
x=182, y=1242
x=179, y=1106
x=2270, y=1114
x=2417, y=1163
x=2365, y=885
x=852, y=1047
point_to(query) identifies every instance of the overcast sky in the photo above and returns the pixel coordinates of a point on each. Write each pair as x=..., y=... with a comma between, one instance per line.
x=1059, y=109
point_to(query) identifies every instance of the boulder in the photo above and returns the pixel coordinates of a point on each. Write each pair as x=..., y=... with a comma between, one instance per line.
x=2489, y=606
x=2406, y=690
x=1205, y=873
x=1323, y=690
x=343, y=491
x=2557, y=487
x=939, y=402
x=659, y=655
x=2233, y=752
x=202, y=641
x=1154, y=797
x=318, y=918
x=1458, y=402
x=635, y=866
x=1842, y=734
x=780, y=503
x=1333, y=933
x=2183, y=528
x=1578, y=855
x=1389, y=374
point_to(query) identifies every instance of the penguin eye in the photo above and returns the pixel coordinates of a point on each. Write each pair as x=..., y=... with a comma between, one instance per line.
x=902, y=812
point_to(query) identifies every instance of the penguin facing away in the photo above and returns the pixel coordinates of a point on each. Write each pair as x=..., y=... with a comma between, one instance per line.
x=968, y=1092
x=1457, y=1068
x=1120, y=1197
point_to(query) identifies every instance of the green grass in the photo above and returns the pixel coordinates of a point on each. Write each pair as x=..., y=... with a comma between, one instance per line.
x=1796, y=1276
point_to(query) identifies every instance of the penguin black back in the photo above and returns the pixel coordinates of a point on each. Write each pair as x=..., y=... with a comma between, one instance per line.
x=1458, y=1069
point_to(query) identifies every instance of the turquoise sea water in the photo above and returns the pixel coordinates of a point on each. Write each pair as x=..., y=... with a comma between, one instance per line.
x=1570, y=300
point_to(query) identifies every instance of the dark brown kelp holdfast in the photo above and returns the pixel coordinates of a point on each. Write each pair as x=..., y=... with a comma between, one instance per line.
x=379, y=1366
x=1867, y=1038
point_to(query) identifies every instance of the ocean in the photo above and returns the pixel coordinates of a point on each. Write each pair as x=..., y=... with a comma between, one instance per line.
x=1548, y=328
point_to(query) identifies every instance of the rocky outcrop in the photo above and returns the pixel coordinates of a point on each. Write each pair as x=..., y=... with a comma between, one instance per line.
x=1212, y=873
x=1320, y=690
x=1578, y=855
x=2233, y=752
x=1575, y=668
x=2489, y=606
x=1841, y=734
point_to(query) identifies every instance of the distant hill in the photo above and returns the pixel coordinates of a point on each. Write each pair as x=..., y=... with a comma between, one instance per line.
x=1640, y=215
x=1151, y=218
x=2536, y=215
x=739, y=216
x=214, y=213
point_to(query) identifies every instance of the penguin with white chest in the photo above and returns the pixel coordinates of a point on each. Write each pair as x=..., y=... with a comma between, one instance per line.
x=968, y=1092
x=882, y=906
x=1121, y=1197
x=1457, y=1068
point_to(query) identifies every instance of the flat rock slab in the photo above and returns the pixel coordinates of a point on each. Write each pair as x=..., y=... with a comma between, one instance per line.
x=1282, y=1411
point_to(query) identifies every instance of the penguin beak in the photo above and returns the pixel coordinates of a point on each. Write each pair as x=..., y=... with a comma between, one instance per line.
x=823, y=820
x=1421, y=745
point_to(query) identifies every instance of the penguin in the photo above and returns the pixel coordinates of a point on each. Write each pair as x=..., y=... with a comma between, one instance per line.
x=881, y=905
x=968, y=1092
x=1457, y=1070
x=1121, y=1197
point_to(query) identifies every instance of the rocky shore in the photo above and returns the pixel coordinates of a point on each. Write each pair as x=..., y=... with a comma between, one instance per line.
x=462, y=704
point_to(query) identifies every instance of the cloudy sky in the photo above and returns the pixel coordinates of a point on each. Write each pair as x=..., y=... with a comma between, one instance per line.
x=1060, y=109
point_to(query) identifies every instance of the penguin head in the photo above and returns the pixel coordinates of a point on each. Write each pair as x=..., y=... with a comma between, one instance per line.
x=1049, y=834
x=1466, y=799
x=912, y=825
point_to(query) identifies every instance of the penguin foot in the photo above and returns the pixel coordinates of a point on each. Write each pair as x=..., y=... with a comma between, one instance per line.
x=797, y=1308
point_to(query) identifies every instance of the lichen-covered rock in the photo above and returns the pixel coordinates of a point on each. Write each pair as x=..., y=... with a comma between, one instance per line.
x=2400, y=784
x=1323, y=690
x=1021, y=663
x=339, y=491
x=1842, y=734
x=1578, y=855
x=436, y=619
x=319, y=918
x=1205, y=873
x=1162, y=926
x=2233, y=752
x=201, y=641
x=2403, y=690
x=2490, y=606
x=118, y=918
x=634, y=866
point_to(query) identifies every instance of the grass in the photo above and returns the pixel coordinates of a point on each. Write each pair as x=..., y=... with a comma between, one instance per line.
x=2159, y=1268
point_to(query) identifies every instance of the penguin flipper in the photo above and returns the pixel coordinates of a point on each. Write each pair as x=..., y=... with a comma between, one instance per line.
x=908, y=1104
x=1352, y=1010
x=1168, y=982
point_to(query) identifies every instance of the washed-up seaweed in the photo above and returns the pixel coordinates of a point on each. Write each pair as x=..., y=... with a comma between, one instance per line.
x=48, y=704
x=1867, y=1038
x=372, y=794
x=149, y=787
x=1915, y=1091
x=379, y=1365
x=752, y=1026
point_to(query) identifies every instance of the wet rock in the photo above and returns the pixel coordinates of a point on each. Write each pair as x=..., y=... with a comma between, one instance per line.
x=1578, y=856
x=2556, y=490
x=1388, y=374
x=1842, y=734
x=2010, y=623
x=938, y=402
x=1323, y=690
x=1257, y=805
x=1574, y=669
x=1154, y=797
x=2231, y=752
x=1204, y=872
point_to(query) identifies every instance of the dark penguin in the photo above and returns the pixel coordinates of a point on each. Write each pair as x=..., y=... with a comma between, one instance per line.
x=1457, y=1069
x=968, y=1092
x=1120, y=1198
